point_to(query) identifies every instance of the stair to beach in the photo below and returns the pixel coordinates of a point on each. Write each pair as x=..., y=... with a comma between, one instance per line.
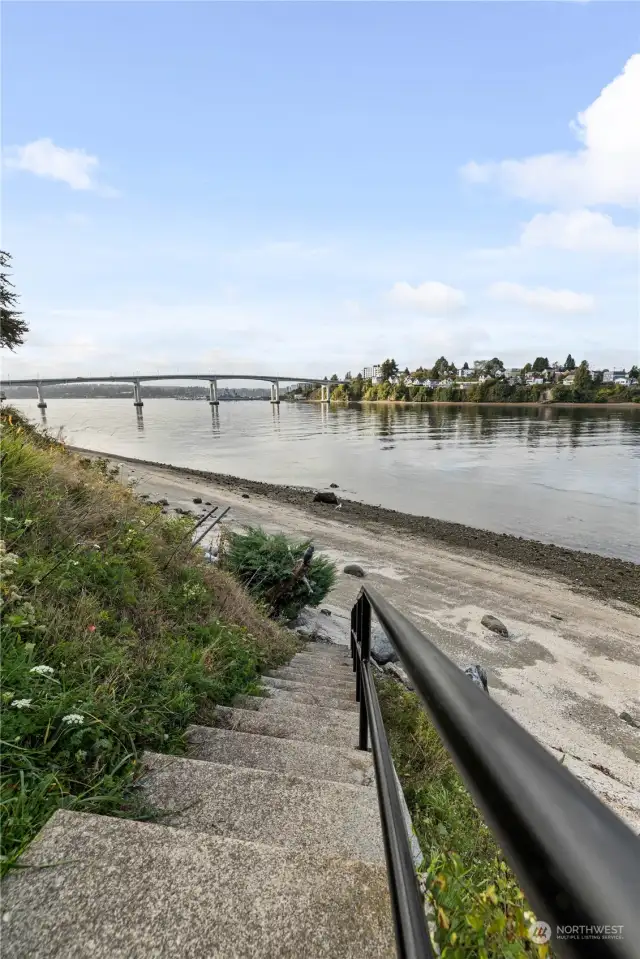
x=267, y=843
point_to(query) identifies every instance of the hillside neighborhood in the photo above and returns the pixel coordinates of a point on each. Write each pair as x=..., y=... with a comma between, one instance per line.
x=538, y=373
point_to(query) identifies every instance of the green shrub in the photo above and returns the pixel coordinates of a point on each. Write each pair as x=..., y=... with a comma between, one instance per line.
x=480, y=911
x=114, y=636
x=265, y=565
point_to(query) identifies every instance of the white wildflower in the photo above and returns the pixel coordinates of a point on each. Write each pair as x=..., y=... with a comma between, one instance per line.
x=75, y=562
x=96, y=546
x=42, y=670
x=9, y=519
x=21, y=703
x=73, y=719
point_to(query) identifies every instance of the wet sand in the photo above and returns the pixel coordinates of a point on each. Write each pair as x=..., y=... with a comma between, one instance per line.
x=571, y=663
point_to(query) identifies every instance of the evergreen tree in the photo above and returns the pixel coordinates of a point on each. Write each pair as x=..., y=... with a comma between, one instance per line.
x=569, y=363
x=12, y=328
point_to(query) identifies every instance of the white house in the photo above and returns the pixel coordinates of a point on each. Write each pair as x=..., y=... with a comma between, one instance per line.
x=613, y=376
x=533, y=379
x=464, y=373
x=569, y=379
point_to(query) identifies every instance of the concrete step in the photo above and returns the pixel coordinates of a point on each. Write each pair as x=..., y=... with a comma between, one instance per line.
x=306, y=712
x=330, y=663
x=264, y=807
x=317, y=698
x=323, y=677
x=296, y=758
x=286, y=725
x=119, y=889
x=334, y=654
x=275, y=682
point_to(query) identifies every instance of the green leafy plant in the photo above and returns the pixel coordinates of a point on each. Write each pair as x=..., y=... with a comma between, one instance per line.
x=269, y=567
x=478, y=907
x=112, y=642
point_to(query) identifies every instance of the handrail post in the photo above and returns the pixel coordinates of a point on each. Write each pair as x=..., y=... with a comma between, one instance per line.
x=352, y=641
x=364, y=638
x=358, y=649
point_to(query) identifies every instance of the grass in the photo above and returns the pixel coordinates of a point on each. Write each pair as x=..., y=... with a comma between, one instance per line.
x=480, y=910
x=114, y=635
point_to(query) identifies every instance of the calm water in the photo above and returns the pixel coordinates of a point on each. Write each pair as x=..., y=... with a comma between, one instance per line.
x=567, y=476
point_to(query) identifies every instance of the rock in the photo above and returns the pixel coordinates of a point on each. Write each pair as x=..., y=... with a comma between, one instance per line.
x=478, y=675
x=352, y=569
x=162, y=502
x=493, y=623
x=323, y=497
x=555, y=616
x=245, y=496
x=392, y=669
x=381, y=648
x=628, y=718
x=326, y=612
x=207, y=503
x=197, y=499
x=334, y=486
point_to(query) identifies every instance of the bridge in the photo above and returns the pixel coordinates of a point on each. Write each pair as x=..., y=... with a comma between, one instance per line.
x=211, y=378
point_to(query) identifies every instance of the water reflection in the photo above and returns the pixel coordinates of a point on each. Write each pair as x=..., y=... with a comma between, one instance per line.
x=215, y=420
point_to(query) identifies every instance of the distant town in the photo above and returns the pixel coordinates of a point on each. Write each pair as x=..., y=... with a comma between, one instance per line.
x=489, y=381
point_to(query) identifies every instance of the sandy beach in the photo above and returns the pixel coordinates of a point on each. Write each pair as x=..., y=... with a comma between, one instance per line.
x=571, y=663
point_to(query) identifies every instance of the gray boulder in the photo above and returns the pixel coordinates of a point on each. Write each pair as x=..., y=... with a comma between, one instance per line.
x=334, y=485
x=493, y=623
x=478, y=675
x=628, y=718
x=324, y=496
x=353, y=569
x=197, y=499
x=381, y=649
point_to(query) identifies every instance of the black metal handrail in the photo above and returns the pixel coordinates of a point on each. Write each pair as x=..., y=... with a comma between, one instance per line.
x=577, y=862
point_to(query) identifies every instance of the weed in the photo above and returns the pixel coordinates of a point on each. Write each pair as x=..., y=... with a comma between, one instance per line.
x=480, y=910
x=106, y=650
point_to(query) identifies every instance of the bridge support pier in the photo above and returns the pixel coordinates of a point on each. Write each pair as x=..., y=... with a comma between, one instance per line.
x=41, y=403
x=137, y=396
x=275, y=392
x=213, y=393
x=325, y=393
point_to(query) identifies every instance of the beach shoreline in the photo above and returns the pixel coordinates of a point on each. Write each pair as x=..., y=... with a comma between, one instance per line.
x=607, y=577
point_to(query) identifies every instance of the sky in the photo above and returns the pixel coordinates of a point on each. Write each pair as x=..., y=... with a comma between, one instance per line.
x=308, y=188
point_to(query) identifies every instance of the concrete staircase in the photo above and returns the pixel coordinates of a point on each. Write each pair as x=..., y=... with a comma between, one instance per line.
x=268, y=843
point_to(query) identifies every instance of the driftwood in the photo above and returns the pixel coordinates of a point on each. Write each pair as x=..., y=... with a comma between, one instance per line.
x=283, y=589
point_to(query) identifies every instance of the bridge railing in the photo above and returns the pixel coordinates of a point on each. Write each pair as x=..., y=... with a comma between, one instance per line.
x=576, y=861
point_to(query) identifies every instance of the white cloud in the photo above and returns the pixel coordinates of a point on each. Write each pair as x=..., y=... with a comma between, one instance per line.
x=541, y=298
x=43, y=158
x=605, y=169
x=431, y=297
x=580, y=230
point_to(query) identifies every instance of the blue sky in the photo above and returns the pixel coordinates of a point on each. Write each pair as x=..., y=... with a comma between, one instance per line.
x=307, y=188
